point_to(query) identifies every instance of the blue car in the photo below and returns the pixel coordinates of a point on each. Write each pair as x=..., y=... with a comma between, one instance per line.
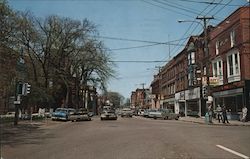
x=62, y=114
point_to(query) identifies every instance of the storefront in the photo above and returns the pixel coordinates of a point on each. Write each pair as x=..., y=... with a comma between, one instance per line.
x=193, y=102
x=169, y=104
x=180, y=103
x=233, y=100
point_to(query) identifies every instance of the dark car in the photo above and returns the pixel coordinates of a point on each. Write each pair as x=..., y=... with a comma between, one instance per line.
x=62, y=114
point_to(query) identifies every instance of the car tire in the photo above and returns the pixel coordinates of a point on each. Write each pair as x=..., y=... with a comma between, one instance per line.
x=166, y=118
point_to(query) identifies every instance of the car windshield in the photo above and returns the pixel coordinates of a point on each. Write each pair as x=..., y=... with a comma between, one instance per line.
x=61, y=110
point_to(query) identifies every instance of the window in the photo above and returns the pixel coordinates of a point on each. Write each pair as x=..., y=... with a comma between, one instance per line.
x=232, y=38
x=217, y=44
x=191, y=58
x=230, y=64
x=218, y=70
x=215, y=70
x=233, y=66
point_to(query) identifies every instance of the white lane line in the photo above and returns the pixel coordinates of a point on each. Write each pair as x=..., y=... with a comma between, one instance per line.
x=232, y=151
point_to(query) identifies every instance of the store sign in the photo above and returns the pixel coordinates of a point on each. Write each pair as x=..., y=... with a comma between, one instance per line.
x=192, y=93
x=214, y=81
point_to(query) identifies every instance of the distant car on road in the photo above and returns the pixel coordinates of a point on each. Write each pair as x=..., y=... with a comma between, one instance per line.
x=62, y=114
x=126, y=112
x=80, y=115
x=108, y=114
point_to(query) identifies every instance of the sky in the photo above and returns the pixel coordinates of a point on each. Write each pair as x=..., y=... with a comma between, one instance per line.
x=136, y=31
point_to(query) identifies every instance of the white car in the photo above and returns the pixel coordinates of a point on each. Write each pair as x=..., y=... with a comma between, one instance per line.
x=126, y=112
x=108, y=115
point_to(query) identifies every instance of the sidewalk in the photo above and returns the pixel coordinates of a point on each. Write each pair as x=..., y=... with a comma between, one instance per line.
x=215, y=122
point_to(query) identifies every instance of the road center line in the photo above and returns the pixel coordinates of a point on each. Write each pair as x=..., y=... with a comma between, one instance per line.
x=232, y=151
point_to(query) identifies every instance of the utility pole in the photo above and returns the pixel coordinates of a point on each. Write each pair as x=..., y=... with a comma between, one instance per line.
x=206, y=51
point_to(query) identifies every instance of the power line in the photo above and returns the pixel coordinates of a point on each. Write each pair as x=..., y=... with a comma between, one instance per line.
x=210, y=3
x=168, y=9
x=191, y=27
x=193, y=9
x=142, y=41
x=177, y=7
x=142, y=46
x=135, y=61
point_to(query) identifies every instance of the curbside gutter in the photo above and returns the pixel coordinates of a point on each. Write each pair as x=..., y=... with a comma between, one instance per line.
x=215, y=122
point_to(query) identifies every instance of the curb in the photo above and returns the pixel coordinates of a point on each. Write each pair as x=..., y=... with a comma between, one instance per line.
x=215, y=124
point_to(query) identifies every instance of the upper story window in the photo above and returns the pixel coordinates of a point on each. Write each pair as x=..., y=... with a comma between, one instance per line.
x=233, y=66
x=218, y=70
x=217, y=45
x=191, y=58
x=232, y=38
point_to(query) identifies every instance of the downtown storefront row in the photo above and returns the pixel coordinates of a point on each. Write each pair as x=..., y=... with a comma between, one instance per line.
x=190, y=103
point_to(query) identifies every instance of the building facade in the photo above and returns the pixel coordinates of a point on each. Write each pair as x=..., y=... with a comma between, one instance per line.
x=230, y=61
x=193, y=79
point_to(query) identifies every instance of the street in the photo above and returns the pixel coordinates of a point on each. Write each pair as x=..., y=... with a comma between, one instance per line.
x=126, y=138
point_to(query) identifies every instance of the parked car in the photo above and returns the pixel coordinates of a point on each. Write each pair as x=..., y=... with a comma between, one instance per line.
x=8, y=115
x=108, y=114
x=163, y=114
x=62, y=114
x=141, y=112
x=80, y=115
x=91, y=114
x=169, y=114
x=126, y=112
x=146, y=113
x=154, y=113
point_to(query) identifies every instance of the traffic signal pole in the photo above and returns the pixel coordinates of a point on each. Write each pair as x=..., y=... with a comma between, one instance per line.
x=206, y=91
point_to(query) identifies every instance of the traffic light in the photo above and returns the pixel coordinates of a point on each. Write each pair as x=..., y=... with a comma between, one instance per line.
x=26, y=88
x=204, y=91
x=19, y=89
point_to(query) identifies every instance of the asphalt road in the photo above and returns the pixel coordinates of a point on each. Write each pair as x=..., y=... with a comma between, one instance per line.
x=126, y=138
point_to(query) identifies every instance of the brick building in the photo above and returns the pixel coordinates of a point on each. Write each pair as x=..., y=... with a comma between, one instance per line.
x=140, y=98
x=181, y=81
x=230, y=61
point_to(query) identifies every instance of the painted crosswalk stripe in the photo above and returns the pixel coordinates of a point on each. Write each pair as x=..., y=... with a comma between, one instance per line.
x=234, y=152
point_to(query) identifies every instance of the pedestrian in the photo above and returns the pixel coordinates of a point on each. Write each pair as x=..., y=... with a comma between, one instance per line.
x=224, y=114
x=219, y=113
x=210, y=113
x=244, y=114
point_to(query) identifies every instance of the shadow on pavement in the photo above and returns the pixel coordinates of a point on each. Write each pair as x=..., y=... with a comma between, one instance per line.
x=23, y=133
